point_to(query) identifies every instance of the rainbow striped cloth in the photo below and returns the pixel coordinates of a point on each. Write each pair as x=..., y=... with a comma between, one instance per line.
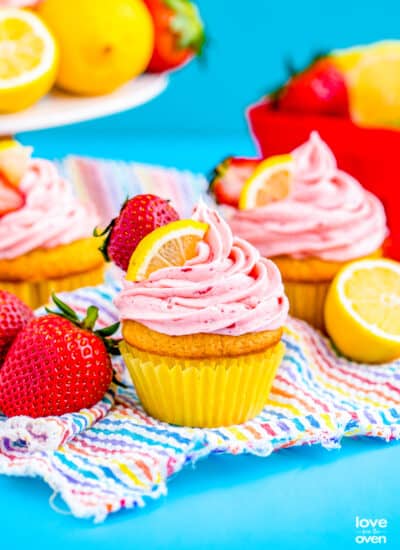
x=115, y=456
x=107, y=184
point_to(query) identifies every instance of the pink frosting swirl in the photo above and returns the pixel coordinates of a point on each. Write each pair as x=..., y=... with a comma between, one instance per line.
x=328, y=214
x=226, y=289
x=18, y=3
x=51, y=215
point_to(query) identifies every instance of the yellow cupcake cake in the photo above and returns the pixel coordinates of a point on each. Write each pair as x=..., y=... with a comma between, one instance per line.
x=310, y=218
x=202, y=318
x=46, y=242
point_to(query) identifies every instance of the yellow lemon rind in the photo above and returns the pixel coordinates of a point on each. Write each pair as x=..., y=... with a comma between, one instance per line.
x=152, y=242
x=20, y=91
x=256, y=180
x=353, y=335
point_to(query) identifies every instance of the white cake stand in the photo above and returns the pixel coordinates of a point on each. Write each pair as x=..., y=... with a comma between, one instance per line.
x=60, y=109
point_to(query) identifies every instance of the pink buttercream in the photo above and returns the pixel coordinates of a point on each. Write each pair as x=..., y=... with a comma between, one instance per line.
x=226, y=289
x=18, y=3
x=328, y=214
x=51, y=215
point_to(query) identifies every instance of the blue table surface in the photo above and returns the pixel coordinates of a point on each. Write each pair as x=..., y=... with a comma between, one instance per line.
x=300, y=498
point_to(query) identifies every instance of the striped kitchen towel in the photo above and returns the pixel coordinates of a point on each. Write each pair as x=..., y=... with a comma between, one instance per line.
x=107, y=184
x=115, y=456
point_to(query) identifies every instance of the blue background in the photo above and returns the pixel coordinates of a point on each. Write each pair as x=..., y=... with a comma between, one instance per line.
x=249, y=42
x=300, y=498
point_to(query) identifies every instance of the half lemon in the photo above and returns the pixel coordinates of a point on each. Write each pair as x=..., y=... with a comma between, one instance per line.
x=375, y=86
x=28, y=59
x=362, y=310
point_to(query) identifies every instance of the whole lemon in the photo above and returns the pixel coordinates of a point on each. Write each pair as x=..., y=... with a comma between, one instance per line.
x=103, y=43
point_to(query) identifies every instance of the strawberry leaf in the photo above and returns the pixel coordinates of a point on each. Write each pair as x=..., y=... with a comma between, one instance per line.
x=88, y=323
x=108, y=331
x=63, y=307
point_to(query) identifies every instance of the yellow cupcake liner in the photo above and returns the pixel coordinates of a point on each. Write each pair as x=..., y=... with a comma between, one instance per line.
x=307, y=301
x=203, y=393
x=37, y=293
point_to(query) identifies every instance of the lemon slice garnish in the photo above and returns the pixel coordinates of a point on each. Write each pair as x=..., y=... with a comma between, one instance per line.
x=271, y=181
x=167, y=246
x=14, y=160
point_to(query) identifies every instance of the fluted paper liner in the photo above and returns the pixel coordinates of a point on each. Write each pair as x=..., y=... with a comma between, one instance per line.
x=203, y=392
x=307, y=301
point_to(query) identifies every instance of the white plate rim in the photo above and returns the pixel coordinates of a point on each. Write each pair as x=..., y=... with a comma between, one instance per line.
x=61, y=109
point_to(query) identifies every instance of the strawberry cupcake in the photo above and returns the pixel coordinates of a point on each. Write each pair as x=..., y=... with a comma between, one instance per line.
x=46, y=242
x=202, y=316
x=311, y=221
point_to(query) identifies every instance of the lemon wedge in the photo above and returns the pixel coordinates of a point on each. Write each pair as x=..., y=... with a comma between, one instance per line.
x=271, y=181
x=28, y=59
x=362, y=310
x=167, y=246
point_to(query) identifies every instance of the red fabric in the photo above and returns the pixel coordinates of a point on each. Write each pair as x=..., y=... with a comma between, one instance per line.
x=371, y=155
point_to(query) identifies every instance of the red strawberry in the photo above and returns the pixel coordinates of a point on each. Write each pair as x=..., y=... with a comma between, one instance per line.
x=14, y=315
x=57, y=365
x=228, y=178
x=179, y=33
x=321, y=89
x=10, y=198
x=138, y=217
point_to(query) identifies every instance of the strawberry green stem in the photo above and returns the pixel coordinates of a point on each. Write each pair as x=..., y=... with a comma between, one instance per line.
x=108, y=331
x=106, y=232
x=218, y=171
x=292, y=72
x=67, y=311
x=88, y=323
x=187, y=25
